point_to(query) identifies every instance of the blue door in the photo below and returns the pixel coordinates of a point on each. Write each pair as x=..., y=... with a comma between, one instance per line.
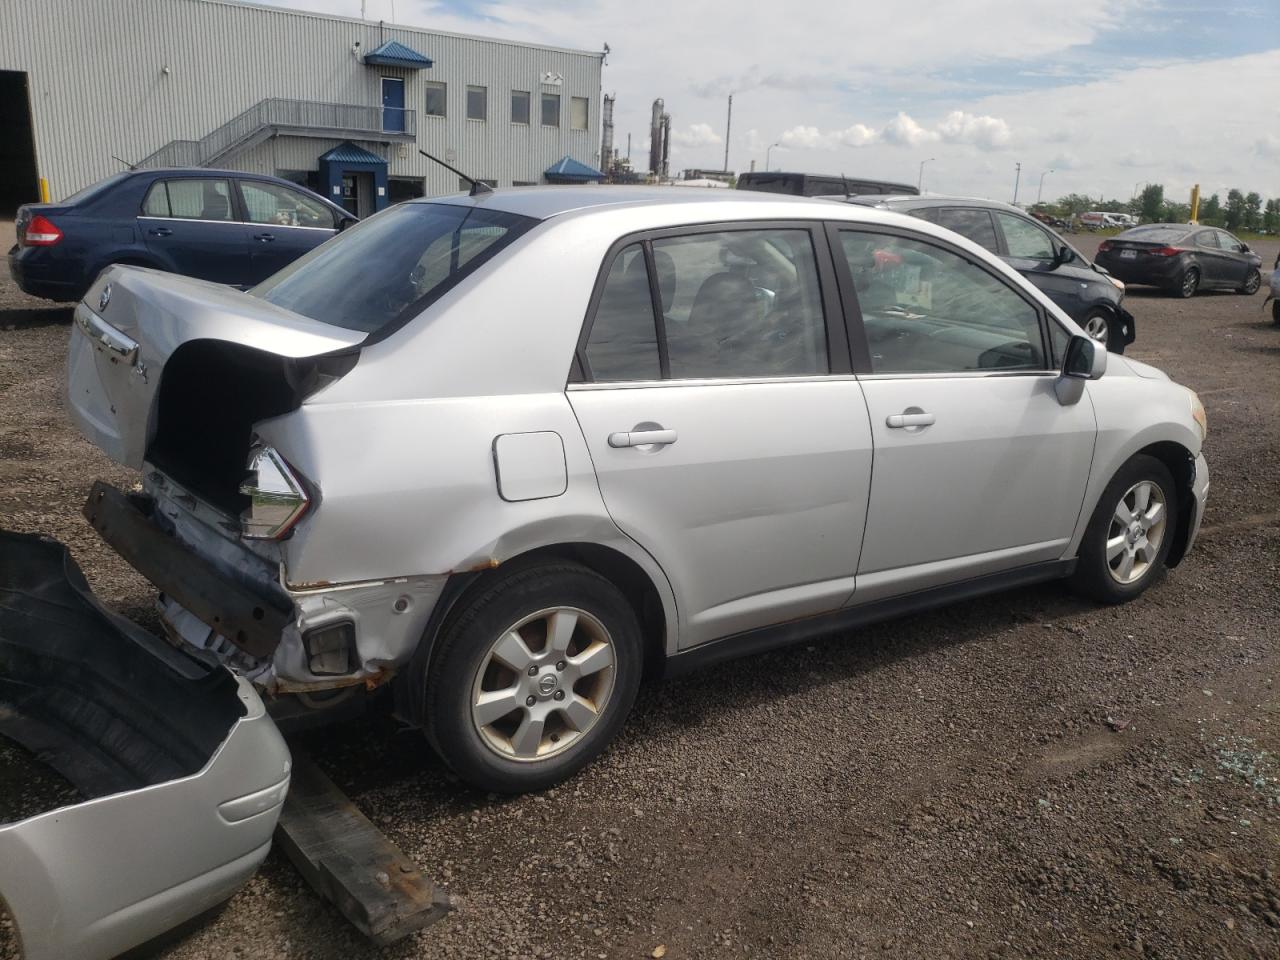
x=393, y=104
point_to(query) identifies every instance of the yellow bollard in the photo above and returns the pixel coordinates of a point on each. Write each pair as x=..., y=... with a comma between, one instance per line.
x=1195, y=204
x=44, y=190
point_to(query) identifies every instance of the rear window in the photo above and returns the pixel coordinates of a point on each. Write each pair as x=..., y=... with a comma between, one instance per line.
x=91, y=191
x=1155, y=234
x=381, y=273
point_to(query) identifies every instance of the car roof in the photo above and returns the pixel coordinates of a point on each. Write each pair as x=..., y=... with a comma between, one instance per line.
x=931, y=200
x=542, y=203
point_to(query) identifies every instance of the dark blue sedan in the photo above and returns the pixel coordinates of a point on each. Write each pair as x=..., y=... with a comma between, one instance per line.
x=221, y=225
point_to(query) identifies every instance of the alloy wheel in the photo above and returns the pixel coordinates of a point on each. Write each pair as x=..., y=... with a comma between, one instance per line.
x=1136, y=531
x=543, y=684
x=1097, y=327
x=1252, y=283
x=1190, y=281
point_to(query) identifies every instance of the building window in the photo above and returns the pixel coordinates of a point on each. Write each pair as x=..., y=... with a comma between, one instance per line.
x=520, y=106
x=578, y=113
x=524, y=183
x=551, y=109
x=477, y=103
x=435, y=99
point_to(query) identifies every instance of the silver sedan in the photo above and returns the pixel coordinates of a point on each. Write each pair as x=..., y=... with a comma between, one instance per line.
x=499, y=452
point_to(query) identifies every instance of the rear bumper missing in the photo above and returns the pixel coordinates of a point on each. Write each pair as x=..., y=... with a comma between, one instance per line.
x=183, y=772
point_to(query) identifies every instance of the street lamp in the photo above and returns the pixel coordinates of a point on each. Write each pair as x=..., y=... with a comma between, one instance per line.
x=1041, y=190
x=769, y=151
x=1017, y=178
x=920, y=179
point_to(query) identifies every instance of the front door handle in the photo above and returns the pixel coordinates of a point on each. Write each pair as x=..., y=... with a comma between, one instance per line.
x=264, y=237
x=919, y=419
x=642, y=438
x=160, y=232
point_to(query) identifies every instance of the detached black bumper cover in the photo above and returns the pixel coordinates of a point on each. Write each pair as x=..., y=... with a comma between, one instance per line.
x=252, y=616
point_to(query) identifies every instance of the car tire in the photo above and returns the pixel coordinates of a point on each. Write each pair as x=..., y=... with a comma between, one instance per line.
x=1251, y=283
x=1188, y=283
x=568, y=697
x=1120, y=559
x=1101, y=321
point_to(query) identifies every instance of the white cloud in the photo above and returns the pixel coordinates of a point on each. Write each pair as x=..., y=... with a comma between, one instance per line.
x=696, y=135
x=961, y=127
x=858, y=135
x=905, y=132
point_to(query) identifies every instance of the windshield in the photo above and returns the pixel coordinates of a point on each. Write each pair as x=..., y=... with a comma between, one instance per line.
x=381, y=273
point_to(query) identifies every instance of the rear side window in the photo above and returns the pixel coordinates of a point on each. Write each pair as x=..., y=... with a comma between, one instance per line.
x=386, y=270
x=731, y=304
x=204, y=199
x=275, y=204
x=1207, y=238
x=971, y=223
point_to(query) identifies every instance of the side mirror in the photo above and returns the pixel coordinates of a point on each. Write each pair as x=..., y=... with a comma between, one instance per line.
x=346, y=222
x=1062, y=255
x=1244, y=248
x=1085, y=359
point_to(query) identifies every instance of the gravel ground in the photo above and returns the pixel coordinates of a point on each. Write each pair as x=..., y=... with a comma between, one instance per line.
x=1025, y=775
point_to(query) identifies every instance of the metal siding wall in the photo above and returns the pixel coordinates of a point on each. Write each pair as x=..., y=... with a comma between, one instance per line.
x=98, y=89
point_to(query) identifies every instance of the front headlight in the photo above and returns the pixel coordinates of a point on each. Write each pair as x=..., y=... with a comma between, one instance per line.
x=277, y=498
x=1118, y=284
x=1198, y=414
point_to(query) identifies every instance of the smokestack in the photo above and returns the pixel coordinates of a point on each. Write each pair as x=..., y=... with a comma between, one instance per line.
x=655, y=138
x=666, y=145
x=606, y=136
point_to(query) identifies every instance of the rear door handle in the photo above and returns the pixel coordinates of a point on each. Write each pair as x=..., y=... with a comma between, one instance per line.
x=264, y=237
x=897, y=420
x=160, y=232
x=641, y=438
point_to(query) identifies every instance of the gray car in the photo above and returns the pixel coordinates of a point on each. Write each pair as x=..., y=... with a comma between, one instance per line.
x=500, y=452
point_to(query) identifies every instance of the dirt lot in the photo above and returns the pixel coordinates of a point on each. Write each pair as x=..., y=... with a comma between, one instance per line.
x=1022, y=776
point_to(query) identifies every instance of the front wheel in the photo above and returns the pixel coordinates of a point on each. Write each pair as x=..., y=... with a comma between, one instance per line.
x=1188, y=284
x=533, y=678
x=1128, y=538
x=1251, y=283
x=1102, y=326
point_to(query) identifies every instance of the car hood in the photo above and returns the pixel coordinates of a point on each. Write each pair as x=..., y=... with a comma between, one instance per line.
x=1136, y=367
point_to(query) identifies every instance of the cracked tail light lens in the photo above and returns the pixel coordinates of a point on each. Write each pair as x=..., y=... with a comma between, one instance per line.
x=277, y=498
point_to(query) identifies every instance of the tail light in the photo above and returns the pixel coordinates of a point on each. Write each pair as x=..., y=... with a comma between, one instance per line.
x=41, y=232
x=277, y=498
x=1104, y=246
x=1164, y=252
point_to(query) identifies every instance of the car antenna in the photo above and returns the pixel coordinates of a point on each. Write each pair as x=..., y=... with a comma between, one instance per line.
x=131, y=166
x=478, y=187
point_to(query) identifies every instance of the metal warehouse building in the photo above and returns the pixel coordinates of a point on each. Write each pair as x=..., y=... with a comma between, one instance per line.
x=338, y=104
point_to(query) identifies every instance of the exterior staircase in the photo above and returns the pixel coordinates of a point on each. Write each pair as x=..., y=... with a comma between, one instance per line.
x=275, y=117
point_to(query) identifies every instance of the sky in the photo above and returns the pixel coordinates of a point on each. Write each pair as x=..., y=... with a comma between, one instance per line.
x=1090, y=96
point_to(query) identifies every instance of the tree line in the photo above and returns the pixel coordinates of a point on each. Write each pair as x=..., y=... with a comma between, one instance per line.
x=1241, y=211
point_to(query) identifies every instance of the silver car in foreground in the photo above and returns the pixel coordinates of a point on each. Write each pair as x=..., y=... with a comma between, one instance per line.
x=504, y=451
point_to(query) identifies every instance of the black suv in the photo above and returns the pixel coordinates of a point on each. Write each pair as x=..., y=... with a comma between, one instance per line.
x=1087, y=293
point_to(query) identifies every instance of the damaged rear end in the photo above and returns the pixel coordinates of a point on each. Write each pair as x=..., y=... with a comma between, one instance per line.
x=182, y=773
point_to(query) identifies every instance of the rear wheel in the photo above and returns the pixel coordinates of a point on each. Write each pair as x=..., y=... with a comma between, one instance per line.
x=1189, y=283
x=1251, y=283
x=1125, y=545
x=533, y=678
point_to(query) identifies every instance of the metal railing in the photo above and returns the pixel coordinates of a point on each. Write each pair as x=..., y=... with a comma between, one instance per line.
x=276, y=112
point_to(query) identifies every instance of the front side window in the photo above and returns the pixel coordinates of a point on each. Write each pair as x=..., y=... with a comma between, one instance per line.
x=1228, y=242
x=1024, y=239
x=190, y=200
x=274, y=204
x=731, y=304
x=386, y=270
x=926, y=309
x=971, y=223
x=519, y=106
x=577, y=113
x=551, y=109
x=435, y=98
x=477, y=103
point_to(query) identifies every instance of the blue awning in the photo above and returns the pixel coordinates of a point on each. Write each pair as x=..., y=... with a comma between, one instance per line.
x=393, y=54
x=348, y=152
x=569, y=170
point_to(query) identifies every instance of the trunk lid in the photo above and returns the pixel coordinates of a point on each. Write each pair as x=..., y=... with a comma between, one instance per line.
x=235, y=349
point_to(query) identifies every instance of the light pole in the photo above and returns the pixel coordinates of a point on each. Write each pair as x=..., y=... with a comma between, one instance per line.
x=769, y=151
x=1017, y=177
x=1041, y=190
x=920, y=179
